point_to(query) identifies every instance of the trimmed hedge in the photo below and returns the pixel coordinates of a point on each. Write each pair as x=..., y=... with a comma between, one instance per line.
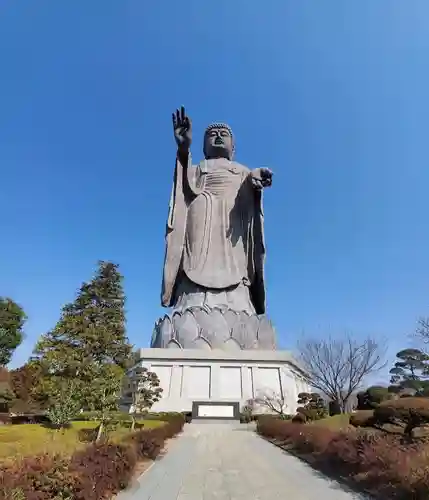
x=362, y=418
x=246, y=418
x=376, y=462
x=113, y=415
x=372, y=397
x=403, y=405
x=299, y=418
x=30, y=418
x=94, y=473
x=5, y=418
x=404, y=415
x=127, y=417
x=412, y=412
x=164, y=416
x=334, y=408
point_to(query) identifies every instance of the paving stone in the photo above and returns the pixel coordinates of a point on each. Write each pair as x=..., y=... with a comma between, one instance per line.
x=230, y=462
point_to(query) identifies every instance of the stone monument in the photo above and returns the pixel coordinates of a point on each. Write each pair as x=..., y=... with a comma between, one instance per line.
x=216, y=349
x=215, y=251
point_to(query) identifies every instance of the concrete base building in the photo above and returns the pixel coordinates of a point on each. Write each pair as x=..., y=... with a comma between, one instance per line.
x=217, y=383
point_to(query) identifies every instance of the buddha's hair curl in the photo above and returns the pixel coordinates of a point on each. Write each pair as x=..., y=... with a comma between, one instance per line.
x=219, y=125
x=226, y=127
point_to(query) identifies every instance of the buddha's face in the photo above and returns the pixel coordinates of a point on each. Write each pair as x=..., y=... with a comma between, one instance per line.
x=218, y=143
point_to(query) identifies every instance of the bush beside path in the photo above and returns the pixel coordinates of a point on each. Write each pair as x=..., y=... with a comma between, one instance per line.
x=384, y=465
x=92, y=472
x=18, y=441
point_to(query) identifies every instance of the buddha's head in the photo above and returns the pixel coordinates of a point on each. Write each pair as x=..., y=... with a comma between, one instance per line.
x=218, y=141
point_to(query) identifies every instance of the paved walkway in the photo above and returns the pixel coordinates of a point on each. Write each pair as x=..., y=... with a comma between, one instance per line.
x=230, y=462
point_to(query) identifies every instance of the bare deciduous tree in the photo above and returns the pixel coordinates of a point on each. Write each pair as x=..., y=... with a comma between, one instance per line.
x=422, y=332
x=338, y=367
x=273, y=401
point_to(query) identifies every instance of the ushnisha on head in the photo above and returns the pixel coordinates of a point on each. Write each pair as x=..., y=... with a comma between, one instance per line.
x=218, y=141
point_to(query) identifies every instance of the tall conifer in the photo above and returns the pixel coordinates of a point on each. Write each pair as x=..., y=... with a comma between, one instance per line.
x=89, y=338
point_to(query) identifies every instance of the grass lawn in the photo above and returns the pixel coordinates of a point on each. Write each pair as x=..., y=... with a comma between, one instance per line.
x=17, y=441
x=335, y=422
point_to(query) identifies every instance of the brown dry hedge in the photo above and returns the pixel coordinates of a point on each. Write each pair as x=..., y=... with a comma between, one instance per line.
x=94, y=473
x=406, y=414
x=373, y=461
x=362, y=418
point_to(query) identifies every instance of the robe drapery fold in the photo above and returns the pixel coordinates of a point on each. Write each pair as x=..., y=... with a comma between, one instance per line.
x=215, y=232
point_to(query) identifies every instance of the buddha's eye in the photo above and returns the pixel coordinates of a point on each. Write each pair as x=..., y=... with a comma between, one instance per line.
x=224, y=133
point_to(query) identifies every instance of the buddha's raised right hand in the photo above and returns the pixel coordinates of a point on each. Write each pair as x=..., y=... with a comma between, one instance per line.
x=182, y=126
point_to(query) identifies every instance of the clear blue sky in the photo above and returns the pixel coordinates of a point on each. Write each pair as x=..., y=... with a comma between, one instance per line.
x=332, y=95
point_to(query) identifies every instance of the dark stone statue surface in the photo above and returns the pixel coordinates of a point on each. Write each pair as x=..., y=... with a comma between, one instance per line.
x=215, y=251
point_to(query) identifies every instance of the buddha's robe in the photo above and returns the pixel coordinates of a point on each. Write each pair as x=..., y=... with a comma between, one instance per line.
x=214, y=239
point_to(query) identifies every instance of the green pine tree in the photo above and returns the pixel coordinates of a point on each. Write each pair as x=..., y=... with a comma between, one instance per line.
x=12, y=319
x=6, y=393
x=410, y=372
x=24, y=381
x=89, y=338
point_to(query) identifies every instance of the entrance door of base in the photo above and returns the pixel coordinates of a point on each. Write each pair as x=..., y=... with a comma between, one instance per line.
x=215, y=410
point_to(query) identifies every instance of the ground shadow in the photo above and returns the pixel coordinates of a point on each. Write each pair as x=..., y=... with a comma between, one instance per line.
x=337, y=480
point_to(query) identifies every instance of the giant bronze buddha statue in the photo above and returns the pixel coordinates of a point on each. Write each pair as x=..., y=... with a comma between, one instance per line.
x=214, y=262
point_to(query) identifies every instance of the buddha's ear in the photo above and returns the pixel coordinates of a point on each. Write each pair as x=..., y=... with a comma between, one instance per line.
x=204, y=145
